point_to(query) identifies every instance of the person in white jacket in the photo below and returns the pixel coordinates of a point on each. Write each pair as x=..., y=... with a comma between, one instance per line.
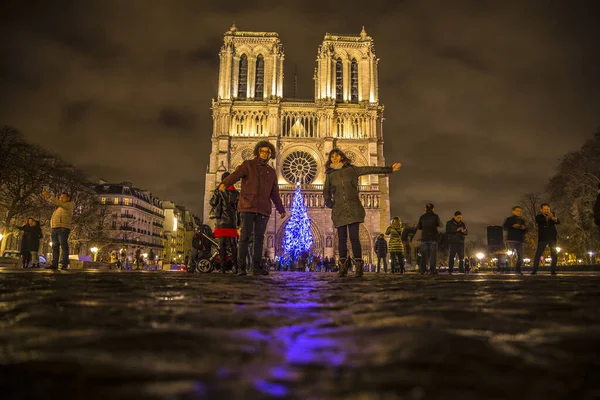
x=61, y=227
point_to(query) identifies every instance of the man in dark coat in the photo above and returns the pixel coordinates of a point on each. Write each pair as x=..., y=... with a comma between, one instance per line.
x=340, y=192
x=516, y=228
x=547, y=236
x=227, y=223
x=456, y=230
x=381, y=249
x=428, y=225
x=259, y=189
x=597, y=210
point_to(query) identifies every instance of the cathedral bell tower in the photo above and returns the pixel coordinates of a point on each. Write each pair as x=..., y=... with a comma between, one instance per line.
x=251, y=66
x=347, y=69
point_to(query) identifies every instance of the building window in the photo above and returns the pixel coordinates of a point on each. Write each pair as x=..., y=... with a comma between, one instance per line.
x=354, y=82
x=103, y=200
x=126, y=201
x=243, y=77
x=259, y=89
x=355, y=128
x=239, y=125
x=114, y=225
x=259, y=125
x=339, y=80
x=340, y=127
x=116, y=200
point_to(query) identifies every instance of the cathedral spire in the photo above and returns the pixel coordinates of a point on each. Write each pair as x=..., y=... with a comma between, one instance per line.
x=363, y=33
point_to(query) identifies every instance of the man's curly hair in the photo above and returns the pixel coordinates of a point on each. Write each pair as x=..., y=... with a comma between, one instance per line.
x=264, y=143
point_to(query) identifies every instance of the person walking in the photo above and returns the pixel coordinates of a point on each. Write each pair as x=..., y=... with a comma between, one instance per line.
x=60, y=223
x=597, y=210
x=456, y=230
x=35, y=235
x=428, y=225
x=138, y=258
x=340, y=192
x=546, y=222
x=516, y=228
x=396, y=232
x=259, y=189
x=381, y=249
x=226, y=229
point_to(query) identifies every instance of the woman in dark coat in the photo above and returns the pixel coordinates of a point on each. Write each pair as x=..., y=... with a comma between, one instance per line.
x=25, y=240
x=35, y=234
x=347, y=213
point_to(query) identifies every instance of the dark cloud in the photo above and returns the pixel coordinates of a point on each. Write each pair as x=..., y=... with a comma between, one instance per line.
x=177, y=119
x=481, y=98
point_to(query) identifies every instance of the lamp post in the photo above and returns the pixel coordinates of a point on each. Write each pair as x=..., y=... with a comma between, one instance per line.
x=480, y=257
x=94, y=251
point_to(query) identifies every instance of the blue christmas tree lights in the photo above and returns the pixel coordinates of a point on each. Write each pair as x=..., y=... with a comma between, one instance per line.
x=297, y=237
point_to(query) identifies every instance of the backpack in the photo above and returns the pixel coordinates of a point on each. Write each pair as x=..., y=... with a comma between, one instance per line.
x=216, y=211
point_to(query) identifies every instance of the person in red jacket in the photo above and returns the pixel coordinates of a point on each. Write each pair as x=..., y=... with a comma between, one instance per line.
x=259, y=189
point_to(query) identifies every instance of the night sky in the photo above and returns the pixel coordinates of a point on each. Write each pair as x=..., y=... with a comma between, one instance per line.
x=481, y=98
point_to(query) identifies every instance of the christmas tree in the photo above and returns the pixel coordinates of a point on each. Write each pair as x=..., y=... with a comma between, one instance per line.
x=297, y=237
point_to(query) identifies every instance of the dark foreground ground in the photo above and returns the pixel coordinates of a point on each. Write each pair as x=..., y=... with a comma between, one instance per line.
x=151, y=335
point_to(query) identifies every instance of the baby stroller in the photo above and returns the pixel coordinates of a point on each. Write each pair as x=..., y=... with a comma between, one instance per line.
x=204, y=256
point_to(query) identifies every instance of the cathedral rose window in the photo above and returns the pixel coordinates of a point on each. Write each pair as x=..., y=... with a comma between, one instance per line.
x=247, y=154
x=299, y=166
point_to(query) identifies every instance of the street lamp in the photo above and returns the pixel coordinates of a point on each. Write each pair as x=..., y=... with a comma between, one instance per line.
x=480, y=256
x=558, y=249
x=94, y=250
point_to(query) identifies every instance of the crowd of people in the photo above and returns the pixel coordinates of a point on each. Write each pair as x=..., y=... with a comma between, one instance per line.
x=248, y=212
x=245, y=215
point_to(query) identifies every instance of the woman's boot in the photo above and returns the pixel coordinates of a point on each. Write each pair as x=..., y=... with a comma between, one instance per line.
x=358, y=264
x=242, y=266
x=343, y=267
x=257, y=269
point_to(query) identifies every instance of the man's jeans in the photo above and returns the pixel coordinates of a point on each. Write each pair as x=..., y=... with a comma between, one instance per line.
x=60, y=241
x=384, y=258
x=540, y=250
x=517, y=248
x=457, y=248
x=255, y=225
x=428, y=253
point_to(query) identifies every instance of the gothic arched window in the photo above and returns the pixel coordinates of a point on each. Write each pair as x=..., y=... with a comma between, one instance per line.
x=340, y=127
x=243, y=77
x=259, y=125
x=354, y=82
x=259, y=88
x=339, y=80
x=240, y=125
x=355, y=128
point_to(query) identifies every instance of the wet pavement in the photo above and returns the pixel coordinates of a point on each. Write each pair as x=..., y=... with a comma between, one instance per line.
x=159, y=335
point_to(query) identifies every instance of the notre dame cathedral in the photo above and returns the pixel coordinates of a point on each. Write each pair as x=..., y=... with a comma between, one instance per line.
x=345, y=113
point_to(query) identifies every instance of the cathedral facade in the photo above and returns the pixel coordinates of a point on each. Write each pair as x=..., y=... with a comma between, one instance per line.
x=344, y=113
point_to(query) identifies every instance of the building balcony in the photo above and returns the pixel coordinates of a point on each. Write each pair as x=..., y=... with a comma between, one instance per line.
x=127, y=216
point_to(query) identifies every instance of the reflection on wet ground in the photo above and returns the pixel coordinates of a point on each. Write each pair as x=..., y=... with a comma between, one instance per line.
x=297, y=335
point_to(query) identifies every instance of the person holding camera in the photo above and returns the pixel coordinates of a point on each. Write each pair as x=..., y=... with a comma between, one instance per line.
x=61, y=227
x=547, y=237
